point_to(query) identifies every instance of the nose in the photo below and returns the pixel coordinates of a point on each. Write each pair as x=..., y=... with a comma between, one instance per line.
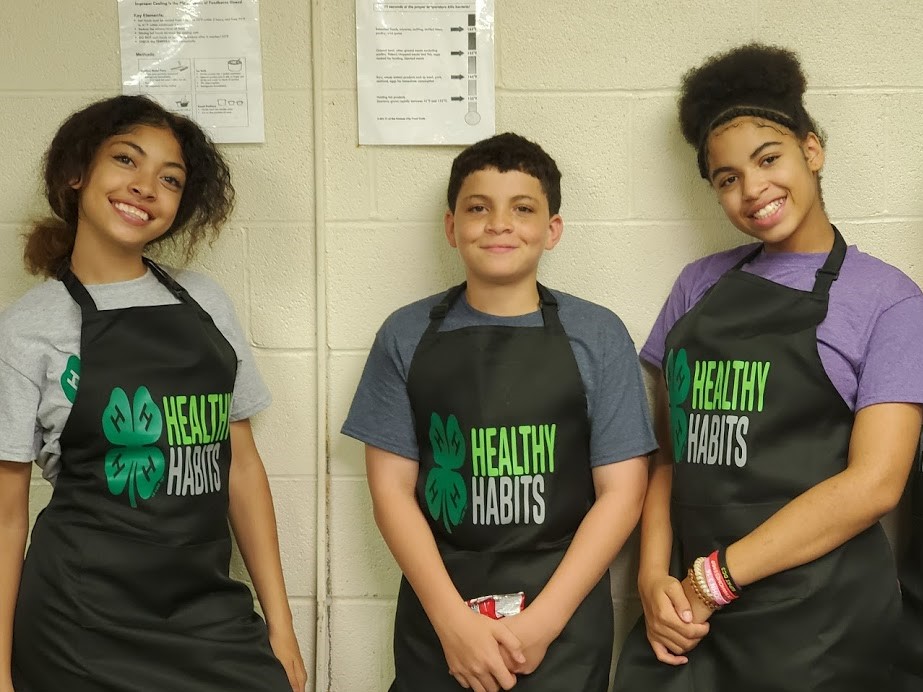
x=500, y=221
x=144, y=184
x=753, y=183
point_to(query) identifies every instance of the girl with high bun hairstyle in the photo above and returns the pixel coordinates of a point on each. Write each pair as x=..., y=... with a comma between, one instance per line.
x=132, y=386
x=788, y=407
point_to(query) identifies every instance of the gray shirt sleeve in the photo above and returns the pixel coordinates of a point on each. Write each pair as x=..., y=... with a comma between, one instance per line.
x=381, y=416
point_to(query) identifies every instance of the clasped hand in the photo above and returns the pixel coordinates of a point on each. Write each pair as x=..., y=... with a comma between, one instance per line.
x=675, y=617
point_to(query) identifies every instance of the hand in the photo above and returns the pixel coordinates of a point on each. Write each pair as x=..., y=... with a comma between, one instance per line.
x=472, y=644
x=535, y=637
x=670, y=617
x=285, y=647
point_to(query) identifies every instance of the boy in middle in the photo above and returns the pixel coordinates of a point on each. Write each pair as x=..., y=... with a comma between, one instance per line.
x=507, y=433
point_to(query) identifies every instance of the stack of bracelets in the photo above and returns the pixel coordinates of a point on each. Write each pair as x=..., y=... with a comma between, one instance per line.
x=712, y=581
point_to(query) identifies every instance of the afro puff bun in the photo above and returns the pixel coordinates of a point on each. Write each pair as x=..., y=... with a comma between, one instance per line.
x=754, y=79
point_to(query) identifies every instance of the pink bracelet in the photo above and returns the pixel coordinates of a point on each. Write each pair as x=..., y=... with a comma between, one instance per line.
x=716, y=593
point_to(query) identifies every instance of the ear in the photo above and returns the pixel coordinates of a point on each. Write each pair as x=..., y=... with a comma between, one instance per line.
x=813, y=152
x=75, y=183
x=555, y=229
x=449, y=221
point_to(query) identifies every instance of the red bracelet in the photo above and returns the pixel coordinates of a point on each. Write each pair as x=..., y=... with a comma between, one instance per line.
x=711, y=564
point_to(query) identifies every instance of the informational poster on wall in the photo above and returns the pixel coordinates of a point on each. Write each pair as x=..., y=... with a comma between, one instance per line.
x=200, y=58
x=425, y=71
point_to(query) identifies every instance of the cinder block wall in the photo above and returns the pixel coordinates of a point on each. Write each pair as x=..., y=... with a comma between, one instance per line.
x=594, y=82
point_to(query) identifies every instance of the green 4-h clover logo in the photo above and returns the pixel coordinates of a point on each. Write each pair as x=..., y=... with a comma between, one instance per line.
x=133, y=464
x=678, y=383
x=446, y=495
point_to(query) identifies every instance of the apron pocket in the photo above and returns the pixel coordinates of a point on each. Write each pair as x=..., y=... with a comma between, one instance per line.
x=125, y=581
x=701, y=529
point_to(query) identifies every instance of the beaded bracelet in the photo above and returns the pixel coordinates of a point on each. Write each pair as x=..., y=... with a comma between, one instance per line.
x=697, y=579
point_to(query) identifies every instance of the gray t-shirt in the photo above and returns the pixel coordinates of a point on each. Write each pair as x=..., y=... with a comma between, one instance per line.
x=40, y=344
x=620, y=427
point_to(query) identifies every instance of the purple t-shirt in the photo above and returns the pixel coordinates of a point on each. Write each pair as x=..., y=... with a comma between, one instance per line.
x=871, y=341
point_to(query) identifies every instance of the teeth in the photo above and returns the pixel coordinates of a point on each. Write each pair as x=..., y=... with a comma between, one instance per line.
x=134, y=211
x=768, y=210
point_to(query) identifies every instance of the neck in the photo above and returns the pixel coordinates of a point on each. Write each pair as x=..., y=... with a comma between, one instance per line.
x=100, y=264
x=508, y=300
x=814, y=235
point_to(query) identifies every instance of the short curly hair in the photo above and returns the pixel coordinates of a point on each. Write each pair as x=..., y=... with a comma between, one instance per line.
x=754, y=79
x=507, y=152
x=206, y=202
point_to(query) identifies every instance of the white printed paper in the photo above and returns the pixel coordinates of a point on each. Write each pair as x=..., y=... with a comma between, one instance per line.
x=425, y=71
x=200, y=58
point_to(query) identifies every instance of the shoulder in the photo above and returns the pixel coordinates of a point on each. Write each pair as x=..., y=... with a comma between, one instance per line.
x=205, y=290
x=410, y=319
x=871, y=281
x=30, y=316
x=703, y=273
x=581, y=315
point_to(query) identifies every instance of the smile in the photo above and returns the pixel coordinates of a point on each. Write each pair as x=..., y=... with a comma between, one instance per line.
x=769, y=209
x=132, y=211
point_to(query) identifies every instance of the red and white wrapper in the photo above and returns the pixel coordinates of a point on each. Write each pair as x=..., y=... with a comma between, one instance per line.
x=496, y=607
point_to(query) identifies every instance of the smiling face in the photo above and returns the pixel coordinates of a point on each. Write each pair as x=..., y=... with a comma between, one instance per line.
x=501, y=225
x=131, y=191
x=767, y=183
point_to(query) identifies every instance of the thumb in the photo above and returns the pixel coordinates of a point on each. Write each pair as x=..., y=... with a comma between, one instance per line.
x=510, y=642
x=680, y=603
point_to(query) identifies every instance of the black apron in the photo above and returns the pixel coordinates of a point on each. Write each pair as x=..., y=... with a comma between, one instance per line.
x=908, y=675
x=755, y=422
x=125, y=587
x=505, y=480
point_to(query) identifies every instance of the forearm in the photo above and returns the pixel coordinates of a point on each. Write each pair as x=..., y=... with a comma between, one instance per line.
x=656, y=529
x=881, y=451
x=12, y=547
x=620, y=489
x=810, y=526
x=254, y=523
x=411, y=542
x=14, y=528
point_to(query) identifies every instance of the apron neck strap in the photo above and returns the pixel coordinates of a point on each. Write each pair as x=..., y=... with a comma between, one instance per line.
x=88, y=306
x=826, y=275
x=547, y=302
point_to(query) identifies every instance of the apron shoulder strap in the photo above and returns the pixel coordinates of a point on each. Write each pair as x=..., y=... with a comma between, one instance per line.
x=829, y=273
x=438, y=312
x=749, y=257
x=549, y=305
x=77, y=290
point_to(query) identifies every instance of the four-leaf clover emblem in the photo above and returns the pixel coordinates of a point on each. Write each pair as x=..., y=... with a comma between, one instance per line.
x=446, y=494
x=678, y=383
x=133, y=464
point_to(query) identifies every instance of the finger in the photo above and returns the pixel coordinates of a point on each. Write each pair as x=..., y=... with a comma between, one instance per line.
x=508, y=661
x=510, y=642
x=489, y=683
x=665, y=656
x=500, y=674
x=680, y=603
x=460, y=680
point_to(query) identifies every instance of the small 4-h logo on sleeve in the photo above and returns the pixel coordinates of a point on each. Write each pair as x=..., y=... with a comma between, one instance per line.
x=133, y=464
x=446, y=494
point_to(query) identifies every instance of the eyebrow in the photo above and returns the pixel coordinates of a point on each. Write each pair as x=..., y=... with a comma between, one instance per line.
x=754, y=155
x=515, y=198
x=141, y=151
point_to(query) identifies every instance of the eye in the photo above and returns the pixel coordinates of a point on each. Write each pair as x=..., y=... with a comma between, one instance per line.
x=175, y=183
x=769, y=160
x=524, y=209
x=727, y=182
x=477, y=208
x=123, y=158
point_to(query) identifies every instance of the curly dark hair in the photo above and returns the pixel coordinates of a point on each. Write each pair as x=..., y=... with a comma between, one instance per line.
x=206, y=202
x=753, y=79
x=507, y=152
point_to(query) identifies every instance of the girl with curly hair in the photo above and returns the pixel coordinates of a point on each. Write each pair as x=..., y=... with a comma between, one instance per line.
x=788, y=409
x=131, y=385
